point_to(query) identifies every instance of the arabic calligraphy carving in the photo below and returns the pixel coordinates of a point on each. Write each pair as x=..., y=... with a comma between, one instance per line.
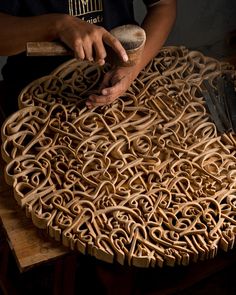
x=146, y=181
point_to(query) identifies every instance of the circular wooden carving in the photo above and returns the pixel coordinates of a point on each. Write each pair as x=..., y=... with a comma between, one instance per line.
x=146, y=181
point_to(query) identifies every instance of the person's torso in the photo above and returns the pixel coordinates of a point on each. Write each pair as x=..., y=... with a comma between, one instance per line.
x=109, y=13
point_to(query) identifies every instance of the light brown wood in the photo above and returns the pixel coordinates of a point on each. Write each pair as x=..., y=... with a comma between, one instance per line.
x=146, y=181
x=47, y=49
x=132, y=38
x=29, y=245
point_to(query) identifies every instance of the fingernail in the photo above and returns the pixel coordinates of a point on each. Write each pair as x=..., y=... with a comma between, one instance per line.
x=125, y=57
x=104, y=92
x=101, y=62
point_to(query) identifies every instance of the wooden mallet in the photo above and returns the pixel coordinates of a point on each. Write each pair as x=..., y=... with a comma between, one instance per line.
x=132, y=38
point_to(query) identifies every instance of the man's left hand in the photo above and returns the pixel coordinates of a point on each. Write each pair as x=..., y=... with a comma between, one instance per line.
x=114, y=84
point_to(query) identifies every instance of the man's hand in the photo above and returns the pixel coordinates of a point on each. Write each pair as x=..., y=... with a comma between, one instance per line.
x=157, y=25
x=88, y=40
x=114, y=84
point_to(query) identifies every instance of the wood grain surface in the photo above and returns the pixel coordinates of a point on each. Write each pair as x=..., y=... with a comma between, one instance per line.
x=28, y=244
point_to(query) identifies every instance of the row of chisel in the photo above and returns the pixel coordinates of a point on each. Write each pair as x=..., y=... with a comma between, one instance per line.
x=221, y=103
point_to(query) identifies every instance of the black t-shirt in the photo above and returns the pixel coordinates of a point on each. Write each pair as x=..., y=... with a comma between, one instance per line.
x=21, y=70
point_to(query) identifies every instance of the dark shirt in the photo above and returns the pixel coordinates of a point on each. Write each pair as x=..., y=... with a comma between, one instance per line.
x=20, y=70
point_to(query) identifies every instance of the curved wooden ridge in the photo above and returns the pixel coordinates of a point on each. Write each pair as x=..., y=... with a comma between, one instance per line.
x=146, y=181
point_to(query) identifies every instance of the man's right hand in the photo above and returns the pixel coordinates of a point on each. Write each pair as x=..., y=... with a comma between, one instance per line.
x=88, y=40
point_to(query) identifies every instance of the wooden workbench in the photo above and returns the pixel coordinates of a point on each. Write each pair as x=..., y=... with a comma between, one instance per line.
x=28, y=244
x=30, y=247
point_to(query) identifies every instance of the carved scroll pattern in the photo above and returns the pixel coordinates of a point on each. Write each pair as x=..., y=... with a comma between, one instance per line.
x=145, y=181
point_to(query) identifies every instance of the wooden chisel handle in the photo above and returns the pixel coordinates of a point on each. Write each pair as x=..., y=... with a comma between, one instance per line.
x=47, y=49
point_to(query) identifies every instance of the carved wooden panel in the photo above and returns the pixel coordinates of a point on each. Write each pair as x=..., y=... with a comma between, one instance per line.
x=146, y=181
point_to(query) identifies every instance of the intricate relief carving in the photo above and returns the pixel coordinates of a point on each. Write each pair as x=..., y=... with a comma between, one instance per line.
x=146, y=181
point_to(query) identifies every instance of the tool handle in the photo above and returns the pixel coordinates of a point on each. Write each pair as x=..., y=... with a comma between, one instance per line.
x=47, y=49
x=132, y=37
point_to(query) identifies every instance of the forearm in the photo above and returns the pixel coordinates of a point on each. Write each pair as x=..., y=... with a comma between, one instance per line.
x=157, y=25
x=85, y=39
x=15, y=32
